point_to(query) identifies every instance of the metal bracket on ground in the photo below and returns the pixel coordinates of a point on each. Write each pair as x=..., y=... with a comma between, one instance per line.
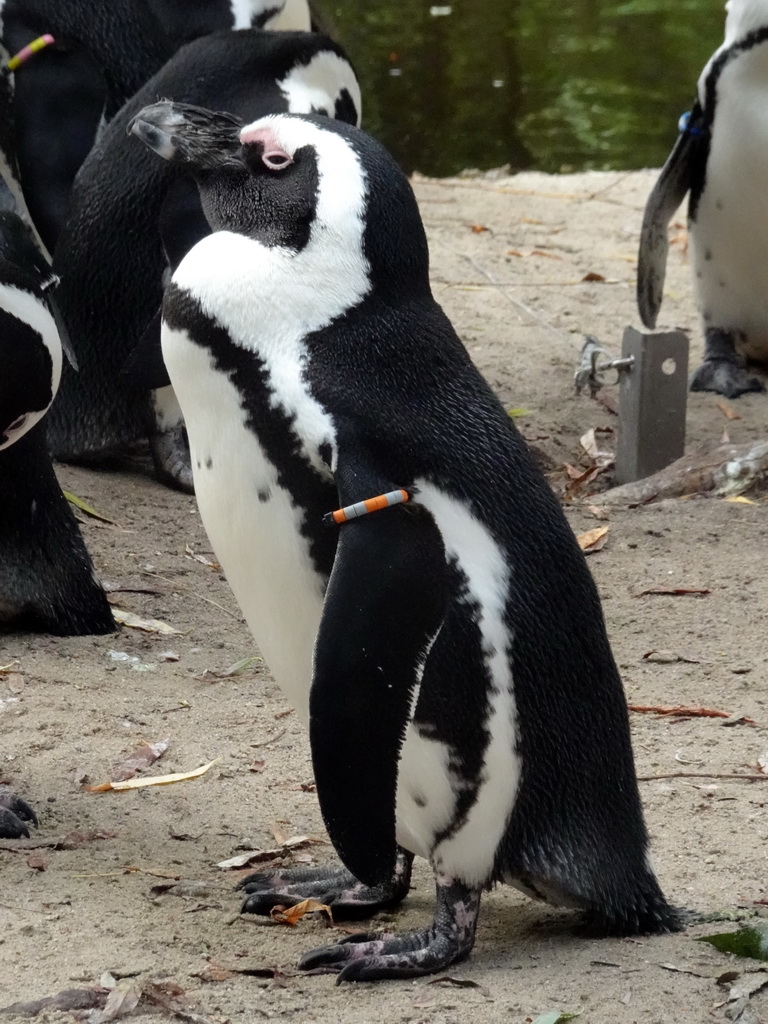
x=653, y=396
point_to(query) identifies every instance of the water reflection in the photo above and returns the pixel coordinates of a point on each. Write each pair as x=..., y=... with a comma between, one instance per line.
x=567, y=86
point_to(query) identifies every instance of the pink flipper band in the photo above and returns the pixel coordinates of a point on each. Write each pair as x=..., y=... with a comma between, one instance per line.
x=27, y=51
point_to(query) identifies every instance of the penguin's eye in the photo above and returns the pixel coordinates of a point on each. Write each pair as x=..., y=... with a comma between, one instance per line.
x=276, y=159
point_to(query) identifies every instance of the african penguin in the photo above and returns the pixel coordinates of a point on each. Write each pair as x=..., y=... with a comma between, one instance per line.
x=448, y=651
x=69, y=89
x=47, y=581
x=721, y=159
x=46, y=577
x=110, y=258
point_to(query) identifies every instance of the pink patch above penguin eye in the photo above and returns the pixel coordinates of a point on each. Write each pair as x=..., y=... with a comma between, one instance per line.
x=17, y=423
x=272, y=154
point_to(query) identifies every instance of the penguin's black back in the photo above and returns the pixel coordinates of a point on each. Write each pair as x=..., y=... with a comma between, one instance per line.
x=46, y=577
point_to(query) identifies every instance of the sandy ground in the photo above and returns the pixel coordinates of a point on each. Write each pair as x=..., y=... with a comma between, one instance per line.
x=67, y=915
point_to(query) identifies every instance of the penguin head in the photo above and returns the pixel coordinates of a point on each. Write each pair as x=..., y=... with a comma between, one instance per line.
x=296, y=180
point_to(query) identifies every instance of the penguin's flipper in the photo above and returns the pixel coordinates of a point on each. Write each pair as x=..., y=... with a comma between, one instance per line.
x=61, y=327
x=145, y=367
x=384, y=604
x=673, y=184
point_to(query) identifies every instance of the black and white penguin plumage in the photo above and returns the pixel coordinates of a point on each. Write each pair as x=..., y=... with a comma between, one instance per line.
x=103, y=53
x=110, y=258
x=47, y=581
x=449, y=653
x=721, y=159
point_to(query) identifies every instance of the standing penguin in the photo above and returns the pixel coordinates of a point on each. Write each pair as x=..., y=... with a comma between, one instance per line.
x=110, y=257
x=442, y=636
x=721, y=159
x=102, y=54
x=46, y=577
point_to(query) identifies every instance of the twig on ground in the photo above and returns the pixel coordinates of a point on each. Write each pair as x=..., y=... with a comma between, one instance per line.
x=188, y=590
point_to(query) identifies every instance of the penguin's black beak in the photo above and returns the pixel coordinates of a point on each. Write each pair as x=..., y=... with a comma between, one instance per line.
x=180, y=132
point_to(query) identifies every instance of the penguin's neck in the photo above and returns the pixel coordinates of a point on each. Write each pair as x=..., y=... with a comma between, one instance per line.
x=269, y=297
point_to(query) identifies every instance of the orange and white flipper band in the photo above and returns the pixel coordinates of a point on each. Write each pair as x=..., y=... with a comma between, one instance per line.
x=26, y=52
x=363, y=508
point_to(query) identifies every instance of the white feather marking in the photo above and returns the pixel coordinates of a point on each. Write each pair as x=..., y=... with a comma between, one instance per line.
x=294, y=16
x=167, y=409
x=467, y=854
x=244, y=10
x=728, y=236
x=270, y=298
x=290, y=14
x=33, y=311
x=743, y=17
x=316, y=86
x=250, y=519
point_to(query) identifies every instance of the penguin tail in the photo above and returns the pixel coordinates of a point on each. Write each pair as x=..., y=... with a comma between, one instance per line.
x=645, y=912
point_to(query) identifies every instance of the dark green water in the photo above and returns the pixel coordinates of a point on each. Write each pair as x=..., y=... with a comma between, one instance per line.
x=548, y=84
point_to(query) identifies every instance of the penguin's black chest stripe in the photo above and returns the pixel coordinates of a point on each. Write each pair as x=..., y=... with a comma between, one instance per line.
x=266, y=15
x=268, y=420
x=752, y=39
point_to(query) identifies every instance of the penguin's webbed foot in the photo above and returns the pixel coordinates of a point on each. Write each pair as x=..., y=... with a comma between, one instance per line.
x=14, y=814
x=329, y=884
x=370, y=957
x=170, y=454
x=725, y=377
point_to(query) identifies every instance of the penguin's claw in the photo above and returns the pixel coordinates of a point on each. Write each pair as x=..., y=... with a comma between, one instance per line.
x=725, y=377
x=329, y=884
x=14, y=814
x=370, y=957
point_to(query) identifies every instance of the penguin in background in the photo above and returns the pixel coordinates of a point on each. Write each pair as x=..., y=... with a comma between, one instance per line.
x=11, y=194
x=405, y=568
x=110, y=256
x=74, y=86
x=721, y=160
x=47, y=582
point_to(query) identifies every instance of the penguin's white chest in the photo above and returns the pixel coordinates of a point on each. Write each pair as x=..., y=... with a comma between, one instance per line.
x=729, y=238
x=252, y=523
